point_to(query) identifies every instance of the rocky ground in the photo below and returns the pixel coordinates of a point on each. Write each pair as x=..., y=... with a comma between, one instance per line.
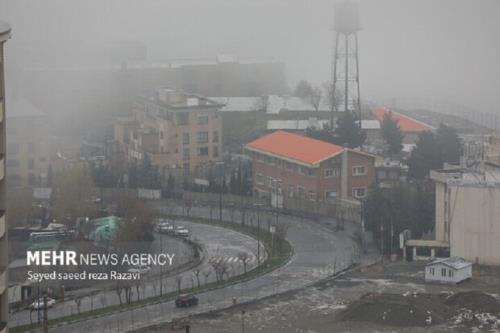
x=384, y=298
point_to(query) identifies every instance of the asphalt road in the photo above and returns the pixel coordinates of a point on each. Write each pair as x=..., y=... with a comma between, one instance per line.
x=318, y=253
x=219, y=244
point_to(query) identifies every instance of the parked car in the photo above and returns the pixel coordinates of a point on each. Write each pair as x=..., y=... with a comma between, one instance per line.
x=139, y=269
x=39, y=303
x=184, y=301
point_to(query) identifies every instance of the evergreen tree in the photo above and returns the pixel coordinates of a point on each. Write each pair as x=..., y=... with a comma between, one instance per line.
x=450, y=144
x=348, y=131
x=392, y=134
x=425, y=156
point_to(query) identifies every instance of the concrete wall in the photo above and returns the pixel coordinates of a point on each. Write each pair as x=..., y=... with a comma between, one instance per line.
x=475, y=223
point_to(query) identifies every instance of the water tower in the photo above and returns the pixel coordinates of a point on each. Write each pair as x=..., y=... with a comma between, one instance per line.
x=345, y=67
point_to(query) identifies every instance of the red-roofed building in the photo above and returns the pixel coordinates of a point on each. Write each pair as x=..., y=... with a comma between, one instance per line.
x=292, y=165
x=410, y=127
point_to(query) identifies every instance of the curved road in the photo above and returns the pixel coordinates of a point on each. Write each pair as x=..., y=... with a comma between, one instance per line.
x=219, y=244
x=318, y=252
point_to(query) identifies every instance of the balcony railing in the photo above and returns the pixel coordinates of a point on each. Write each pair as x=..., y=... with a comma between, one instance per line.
x=3, y=280
x=2, y=223
x=2, y=167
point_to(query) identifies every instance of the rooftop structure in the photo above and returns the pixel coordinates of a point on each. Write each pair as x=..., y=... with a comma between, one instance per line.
x=240, y=104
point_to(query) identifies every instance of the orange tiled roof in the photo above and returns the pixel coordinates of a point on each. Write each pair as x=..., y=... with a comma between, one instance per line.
x=406, y=124
x=295, y=146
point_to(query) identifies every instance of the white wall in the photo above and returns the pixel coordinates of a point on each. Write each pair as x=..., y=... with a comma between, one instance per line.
x=458, y=275
x=475, y=224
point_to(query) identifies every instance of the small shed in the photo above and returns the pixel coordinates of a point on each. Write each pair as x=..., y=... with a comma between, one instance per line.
x=448, y=270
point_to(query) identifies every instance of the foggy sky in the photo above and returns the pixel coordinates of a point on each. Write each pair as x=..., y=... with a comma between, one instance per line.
x=442, y=49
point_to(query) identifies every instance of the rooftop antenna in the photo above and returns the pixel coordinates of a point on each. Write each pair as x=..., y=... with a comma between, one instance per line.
x=345, y=71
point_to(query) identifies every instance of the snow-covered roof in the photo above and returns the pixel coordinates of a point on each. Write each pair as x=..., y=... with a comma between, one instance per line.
x=239, y=104
x=276, y=104
x=453, y=262
x=296, y=124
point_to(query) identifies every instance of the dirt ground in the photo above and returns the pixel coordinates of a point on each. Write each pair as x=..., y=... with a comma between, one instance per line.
x=384, y=298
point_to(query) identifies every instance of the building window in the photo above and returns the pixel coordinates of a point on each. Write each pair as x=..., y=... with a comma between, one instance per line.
x=202, y=137
x=203, y=151
x=331, y=173
x=182, y=118
x=185, y=138
x=215, y=136
x=13, y=148
x=260, y=179
x=359, y=192
x=331, y=195
x=215, y=152
x=291, y=191
x=443, y=272
x=450, y=273
x=359, y=170
x=312, y=195
x=202, y=119
x=431, y=271
x=31, y=179
x=12, y=163
x=185, y=153
x=300, y=191
x=31, y=148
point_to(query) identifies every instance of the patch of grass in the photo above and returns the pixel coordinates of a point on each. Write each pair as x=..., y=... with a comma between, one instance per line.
x=279, y=252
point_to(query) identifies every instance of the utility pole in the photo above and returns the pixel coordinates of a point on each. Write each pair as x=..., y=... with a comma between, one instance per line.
x=242, y=321
x=45, y=315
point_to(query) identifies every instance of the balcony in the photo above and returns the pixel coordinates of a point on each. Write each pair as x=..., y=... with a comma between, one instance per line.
x=2, y=223
x=2, y=167
x=3, y=279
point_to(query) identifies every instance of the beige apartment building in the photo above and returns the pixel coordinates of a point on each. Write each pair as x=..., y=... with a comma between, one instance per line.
x=467, y=210
x=27, y=144
x=180, y=132
x=4, y=259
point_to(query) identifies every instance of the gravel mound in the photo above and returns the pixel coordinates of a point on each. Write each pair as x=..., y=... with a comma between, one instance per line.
x=397, y=310
x=475, y=301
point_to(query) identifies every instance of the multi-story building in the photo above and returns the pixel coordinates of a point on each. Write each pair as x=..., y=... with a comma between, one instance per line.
x=28, y=144
x=467, y=210
x=179, y=132
x=291, y=165
x=4, y=261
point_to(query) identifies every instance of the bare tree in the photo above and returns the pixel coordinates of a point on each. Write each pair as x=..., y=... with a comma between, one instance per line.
x=206, y=274
x=244, y=258
x=196, y=272
x=178, y=280
x=78, y=302
x=119, y=290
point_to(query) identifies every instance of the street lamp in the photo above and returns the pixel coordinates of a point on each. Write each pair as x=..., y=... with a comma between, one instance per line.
x=258, y=205
x=222, y=180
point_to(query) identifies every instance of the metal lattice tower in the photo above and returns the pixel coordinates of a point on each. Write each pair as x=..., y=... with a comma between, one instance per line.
x=345, y=93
